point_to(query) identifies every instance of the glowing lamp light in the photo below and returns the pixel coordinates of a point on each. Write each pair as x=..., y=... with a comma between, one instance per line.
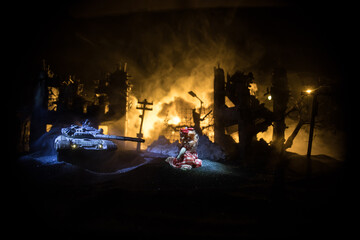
x=73, y=146
x=269, y=97
x=308, y=91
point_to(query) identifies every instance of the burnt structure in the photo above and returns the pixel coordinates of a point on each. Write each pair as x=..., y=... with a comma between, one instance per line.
x=112, y=97
x=248, y=117
x=219, y=105
x=280, y=94
x=60, y=101
x=56, y=99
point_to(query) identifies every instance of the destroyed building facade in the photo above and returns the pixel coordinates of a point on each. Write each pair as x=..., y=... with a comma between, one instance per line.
x=246, y=116
x=60, y=101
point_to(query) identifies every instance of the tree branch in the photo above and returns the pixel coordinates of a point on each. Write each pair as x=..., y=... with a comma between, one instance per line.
x=289, y=142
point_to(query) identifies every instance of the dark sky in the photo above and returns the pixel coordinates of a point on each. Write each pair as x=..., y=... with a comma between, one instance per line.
x=88, y=38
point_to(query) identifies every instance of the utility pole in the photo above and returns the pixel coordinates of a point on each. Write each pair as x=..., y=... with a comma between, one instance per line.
x=142, y=106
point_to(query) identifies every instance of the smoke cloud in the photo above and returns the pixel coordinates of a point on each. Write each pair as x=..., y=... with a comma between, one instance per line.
x=178, y=56
x=171, y=53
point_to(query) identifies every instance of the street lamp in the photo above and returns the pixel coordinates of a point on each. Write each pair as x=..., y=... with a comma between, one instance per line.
x=194, y=95
x=268, y=94
x=314, y=107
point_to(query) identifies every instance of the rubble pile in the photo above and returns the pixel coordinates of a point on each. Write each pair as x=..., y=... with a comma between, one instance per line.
x=206, y=149
x=163, y=146
x=209, y=150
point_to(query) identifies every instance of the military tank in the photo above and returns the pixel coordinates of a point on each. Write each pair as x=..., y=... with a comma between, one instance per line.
x=85, y=137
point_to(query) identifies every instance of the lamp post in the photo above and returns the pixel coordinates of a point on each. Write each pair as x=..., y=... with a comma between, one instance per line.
x=314, y=107
x=194, y=95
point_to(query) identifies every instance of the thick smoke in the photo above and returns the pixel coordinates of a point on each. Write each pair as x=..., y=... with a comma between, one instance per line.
x=329, y=136
x=171, y=53
x=178, y=56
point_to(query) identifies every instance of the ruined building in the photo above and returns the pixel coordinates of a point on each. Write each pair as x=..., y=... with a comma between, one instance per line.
x=246, y=115
x=61, y=101
x=112, y=98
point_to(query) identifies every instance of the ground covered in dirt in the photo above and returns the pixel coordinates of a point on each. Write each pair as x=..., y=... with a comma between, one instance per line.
x=126, y=193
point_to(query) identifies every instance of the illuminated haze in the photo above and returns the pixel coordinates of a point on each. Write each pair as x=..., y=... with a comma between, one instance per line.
x=169, y=53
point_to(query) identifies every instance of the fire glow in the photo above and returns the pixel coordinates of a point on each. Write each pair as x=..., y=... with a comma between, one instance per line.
x=172, y=103
x=175, y=120
x=167, y=111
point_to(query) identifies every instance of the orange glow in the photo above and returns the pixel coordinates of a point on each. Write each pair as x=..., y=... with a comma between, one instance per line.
x=164, y=88
x=267, y=135
x=253, y=88
x=308, y=91
x=235, y=137
x=175, y=120
x=228, y=102
x=105, y=129
x=106, y=109
x=48, y=127
x=168, y=110
x=53, y=98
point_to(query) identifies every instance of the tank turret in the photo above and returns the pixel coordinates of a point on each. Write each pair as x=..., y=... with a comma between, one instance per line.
x=87, y=138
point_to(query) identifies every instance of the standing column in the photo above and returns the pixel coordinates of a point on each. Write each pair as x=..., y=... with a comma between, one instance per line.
x=280, y=96
x=219, y=105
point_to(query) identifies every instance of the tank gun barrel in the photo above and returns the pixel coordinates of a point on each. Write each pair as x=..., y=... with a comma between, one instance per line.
x=121, y=138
